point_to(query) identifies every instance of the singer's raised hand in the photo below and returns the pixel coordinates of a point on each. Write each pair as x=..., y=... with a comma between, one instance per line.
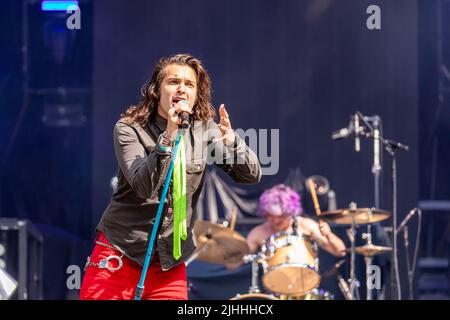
x=228, y=135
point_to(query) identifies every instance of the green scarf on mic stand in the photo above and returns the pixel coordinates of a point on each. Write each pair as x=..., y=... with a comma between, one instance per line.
x=179, y=200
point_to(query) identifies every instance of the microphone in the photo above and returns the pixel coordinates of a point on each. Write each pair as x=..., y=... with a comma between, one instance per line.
x=397, y=144
x=184, y=117
x=376, y=148
x=331, y=200
x=407, y=218
x=341, y=134
x=356, y=128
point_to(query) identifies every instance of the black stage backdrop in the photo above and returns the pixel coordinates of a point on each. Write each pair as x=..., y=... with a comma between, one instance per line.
x=298, y=66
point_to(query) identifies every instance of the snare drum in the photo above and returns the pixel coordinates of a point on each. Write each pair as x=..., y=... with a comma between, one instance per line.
x=290, y=264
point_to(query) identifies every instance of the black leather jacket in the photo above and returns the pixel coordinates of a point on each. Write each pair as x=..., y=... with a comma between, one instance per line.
x=128, y=220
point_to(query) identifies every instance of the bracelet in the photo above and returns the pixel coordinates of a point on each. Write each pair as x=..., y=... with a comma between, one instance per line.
x=163, y=144
x=165, y=141
x=163, y=149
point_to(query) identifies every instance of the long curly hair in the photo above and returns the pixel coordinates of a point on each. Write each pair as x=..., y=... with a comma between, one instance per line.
x=150, y=91
x=280, y=200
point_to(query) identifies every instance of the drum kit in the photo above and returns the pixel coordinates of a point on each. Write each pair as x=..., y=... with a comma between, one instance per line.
x=289, y=261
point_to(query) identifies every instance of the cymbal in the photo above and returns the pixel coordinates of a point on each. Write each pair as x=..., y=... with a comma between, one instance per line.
x=360, y=215
x=370, y=250
x=219, y=244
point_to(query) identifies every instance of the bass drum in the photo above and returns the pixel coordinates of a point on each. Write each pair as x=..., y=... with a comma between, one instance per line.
x=254, y=296
x=290, y=264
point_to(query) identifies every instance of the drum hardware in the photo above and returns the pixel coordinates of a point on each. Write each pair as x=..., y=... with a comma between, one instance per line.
x=368, y=260
x=254, y=259
x=343, y=286
x=254, y=293
x=344, y=217
x=254, y=288
x=369, y=251
x=359, y=216
x=353, y=216
x=353, y=282
x=356, y=217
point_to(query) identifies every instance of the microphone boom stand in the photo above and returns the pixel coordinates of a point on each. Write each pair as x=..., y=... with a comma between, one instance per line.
x=376, y=171
x=391, y=147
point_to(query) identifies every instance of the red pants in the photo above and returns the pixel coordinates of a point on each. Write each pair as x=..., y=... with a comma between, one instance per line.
x=103, y=284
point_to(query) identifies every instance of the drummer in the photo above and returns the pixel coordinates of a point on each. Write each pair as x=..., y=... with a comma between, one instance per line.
x=281, y=206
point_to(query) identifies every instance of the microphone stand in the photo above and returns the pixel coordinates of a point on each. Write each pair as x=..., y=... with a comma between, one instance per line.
x=411, y=267
x=376, y=171
x=408, y=264
x=390, y=147
x=140, y=287
x=354, y=283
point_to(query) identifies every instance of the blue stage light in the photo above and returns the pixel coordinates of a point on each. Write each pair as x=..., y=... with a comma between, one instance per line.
x=57, y=5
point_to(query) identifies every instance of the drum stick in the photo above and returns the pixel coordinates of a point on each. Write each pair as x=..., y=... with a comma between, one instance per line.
x=314, y=197
x=233, y=219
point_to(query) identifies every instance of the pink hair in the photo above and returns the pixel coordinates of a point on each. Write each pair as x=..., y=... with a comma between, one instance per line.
x=280, y=200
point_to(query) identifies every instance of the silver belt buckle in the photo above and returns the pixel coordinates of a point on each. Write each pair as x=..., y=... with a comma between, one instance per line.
x=103, y=264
